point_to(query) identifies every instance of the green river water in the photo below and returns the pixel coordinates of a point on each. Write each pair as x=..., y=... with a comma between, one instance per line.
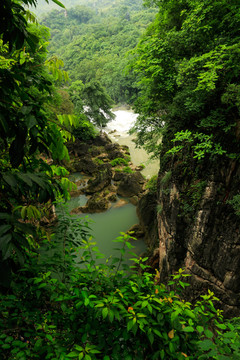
x=107, y=226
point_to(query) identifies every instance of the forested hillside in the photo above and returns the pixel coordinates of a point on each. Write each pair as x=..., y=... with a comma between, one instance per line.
x=93, y=39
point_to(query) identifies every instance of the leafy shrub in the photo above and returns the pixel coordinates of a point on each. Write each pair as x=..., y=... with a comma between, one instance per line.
x=85, y=131
x=127, y=157
x=119, y=161
x=98, y=161
x=190, y=199
x=235, y=202
x=166, y=178
x=70, y=305
x=152, y=184
x=127, y=170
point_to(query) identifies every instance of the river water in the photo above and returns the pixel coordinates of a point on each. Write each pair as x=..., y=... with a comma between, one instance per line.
x=118, y=129
x=106, y=226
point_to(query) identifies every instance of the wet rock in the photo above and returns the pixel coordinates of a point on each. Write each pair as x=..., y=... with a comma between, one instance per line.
x=112, y=197
x=103, y=179
x=96, y=204
x=76, y=193
x=125, y=147
x=120, y=203
x=112, y=147
x=115, y=154
x=139, y=177
x=119, y=175
x=130, y=185
x=102, y=140
x=95, y=151
x=78, y=148
x=134, y=200
x=139, y=168
x=112, y=188
x=86, y=165
x=136, y=231
x=103, y=157
x=77, y=210
x=114, y=151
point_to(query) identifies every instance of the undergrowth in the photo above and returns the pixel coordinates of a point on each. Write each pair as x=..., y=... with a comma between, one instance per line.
x=70, y=302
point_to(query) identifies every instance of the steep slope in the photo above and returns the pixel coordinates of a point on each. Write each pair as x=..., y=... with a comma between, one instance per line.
x=188, y=62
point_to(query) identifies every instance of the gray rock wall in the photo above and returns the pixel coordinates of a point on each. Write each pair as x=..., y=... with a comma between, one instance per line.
x=207, y=245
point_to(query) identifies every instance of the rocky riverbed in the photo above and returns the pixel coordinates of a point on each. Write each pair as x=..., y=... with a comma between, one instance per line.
x=109, y=177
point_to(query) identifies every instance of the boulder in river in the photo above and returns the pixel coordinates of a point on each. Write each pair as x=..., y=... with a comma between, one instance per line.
x=95, y=150
x=130, y=185
x=112, y=197
x=76, y=193
x=96, y=204
x=120, y=203
x=134, y=200
x=114, y=151
x=86, y=165
x=119, y=175
x=103, y=179
x=102, y=140
x=136, y=231
x=78, y=148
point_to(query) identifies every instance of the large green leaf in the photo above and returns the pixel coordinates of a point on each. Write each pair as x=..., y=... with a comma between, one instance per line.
x=58, y=3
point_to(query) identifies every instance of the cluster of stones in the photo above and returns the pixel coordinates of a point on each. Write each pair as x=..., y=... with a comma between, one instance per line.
x=103, y=182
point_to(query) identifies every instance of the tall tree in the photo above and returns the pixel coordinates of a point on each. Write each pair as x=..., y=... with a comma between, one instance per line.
x=98, y=104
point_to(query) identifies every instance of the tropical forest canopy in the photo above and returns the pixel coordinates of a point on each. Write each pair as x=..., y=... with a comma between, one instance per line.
x=184, y=78
x=93, y=39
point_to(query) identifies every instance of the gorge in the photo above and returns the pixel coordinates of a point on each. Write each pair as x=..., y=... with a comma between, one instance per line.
x=177, y=65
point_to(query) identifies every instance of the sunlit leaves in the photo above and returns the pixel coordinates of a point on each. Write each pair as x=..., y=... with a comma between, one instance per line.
x=54, y=65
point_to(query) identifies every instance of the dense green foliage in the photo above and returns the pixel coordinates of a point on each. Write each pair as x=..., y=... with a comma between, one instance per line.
x=36, y=121
x=96, y=310
x=30, y=133
x=93, y=38
x=188, y=62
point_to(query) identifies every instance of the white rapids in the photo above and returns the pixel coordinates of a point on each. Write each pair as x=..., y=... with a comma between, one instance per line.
x=118, y=129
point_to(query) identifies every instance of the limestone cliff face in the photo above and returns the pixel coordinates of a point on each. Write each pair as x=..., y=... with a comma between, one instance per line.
x=207, y=242
x=147, y=214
